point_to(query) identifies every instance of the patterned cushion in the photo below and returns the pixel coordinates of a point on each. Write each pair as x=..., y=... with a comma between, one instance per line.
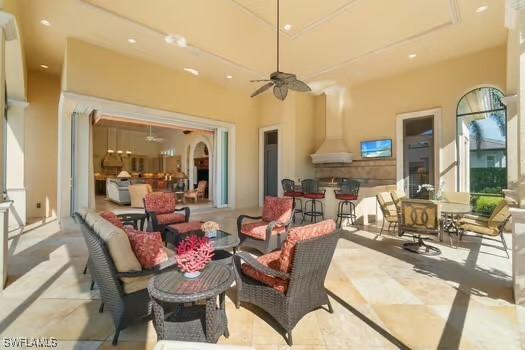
x=160, y=202
x=257, y=229
x=302, y=233
x=346, y=197
x=171, y=218
x=270, y=260
x=499, y=215
x=148, y=247
x=186, y=227
x=277, y=209
x=112, y=218
x=387, y=203
x=314, y=195
x=481, y=229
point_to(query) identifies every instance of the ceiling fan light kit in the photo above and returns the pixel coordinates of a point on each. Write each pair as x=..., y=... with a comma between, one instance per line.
x=281, y=81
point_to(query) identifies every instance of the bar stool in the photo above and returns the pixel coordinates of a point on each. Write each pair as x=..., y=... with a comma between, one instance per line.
x=312, y=196
x=290, y=190
x=349, y=191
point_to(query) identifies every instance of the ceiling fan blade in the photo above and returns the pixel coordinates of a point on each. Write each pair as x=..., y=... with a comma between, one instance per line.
x=280, y=92
x=298, y=85
x=262, y=89
x=259, y=80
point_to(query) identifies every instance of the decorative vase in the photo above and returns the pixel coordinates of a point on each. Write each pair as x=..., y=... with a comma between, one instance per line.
x=211, y=234
x=192, y=275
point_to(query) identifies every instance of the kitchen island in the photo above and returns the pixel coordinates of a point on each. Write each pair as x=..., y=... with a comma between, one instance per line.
x=367, y=210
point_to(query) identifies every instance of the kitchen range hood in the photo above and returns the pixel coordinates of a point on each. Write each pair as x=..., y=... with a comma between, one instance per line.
x=333, y=149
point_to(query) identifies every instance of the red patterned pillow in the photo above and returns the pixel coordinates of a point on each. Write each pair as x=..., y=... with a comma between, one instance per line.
x=112, y=218
x=302, y=233
x=277, y=209
x=148, y=247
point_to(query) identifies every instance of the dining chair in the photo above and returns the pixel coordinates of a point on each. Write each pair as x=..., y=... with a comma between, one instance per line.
x=420, y=217
x=492, y=226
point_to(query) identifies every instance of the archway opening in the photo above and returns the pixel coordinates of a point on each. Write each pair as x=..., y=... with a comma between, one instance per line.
x=482, y=143
x=201, y=169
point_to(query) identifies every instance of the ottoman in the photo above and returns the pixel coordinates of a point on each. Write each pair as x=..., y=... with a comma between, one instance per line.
x=174, y=232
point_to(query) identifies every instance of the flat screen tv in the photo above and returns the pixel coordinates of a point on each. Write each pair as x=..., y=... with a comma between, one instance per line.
x=376, y=149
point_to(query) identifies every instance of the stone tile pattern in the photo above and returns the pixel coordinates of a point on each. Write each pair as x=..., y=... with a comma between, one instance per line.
x=383, y=297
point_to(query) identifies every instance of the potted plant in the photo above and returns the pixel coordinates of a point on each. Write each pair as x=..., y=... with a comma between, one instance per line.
x=210, y=228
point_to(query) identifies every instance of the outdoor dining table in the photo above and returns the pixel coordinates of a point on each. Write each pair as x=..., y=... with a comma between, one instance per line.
x=451, y=213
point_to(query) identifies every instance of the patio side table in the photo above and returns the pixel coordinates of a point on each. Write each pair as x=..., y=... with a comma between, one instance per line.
x=204, y=319
x=136, y=219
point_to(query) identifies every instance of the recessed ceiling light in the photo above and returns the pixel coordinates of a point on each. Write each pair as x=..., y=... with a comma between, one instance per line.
x=229, y=77
x=482, y=9
x=179, y=40
x=43, y=66
x=287, y=27
x=192, y=71
x=132, y=41
x=45, y=22
x=412, y=56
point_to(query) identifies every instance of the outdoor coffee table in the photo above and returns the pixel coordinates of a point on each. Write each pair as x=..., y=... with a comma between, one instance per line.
x=203, y=320
x=223, y=242
x=133, y=219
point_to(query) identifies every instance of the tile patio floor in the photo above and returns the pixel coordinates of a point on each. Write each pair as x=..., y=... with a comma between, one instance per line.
x=384, y=297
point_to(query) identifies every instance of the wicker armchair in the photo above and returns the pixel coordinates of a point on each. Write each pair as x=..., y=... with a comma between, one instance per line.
x=270, y=231
x=161, y=207
x=125, y=308
x=388, y=209
x=420, y=217
x=289, y=283
x=492, y=226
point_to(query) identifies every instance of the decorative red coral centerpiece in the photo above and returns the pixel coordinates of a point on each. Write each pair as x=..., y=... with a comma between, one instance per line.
x=193, y=254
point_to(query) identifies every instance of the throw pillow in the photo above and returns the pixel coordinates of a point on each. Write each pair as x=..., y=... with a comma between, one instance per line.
x=148, y=247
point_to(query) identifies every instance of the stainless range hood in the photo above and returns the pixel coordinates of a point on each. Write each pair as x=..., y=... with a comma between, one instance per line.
x=333, y=149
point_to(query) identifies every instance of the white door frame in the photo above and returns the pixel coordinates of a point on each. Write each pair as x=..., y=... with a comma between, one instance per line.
x=261, y=159
x=70, y=101
x=436, y=112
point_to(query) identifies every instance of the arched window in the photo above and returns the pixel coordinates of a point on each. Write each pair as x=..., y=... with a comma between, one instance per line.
x=482, y=141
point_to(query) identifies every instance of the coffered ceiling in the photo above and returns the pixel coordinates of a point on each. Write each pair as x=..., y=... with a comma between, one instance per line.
x=343, y=40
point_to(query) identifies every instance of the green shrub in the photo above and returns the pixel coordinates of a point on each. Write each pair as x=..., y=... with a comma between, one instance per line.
x=488, y=180
x=486, y=205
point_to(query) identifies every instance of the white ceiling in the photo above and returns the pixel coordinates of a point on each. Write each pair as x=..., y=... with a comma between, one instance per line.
x=342, y=40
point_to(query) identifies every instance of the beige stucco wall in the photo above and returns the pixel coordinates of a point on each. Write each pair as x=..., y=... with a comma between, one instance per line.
x=41, y=126
x=95, y=71
x=296, y=118
x=372, y=107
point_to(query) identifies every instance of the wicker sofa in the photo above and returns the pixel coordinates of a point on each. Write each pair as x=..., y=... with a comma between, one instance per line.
x=289, y=283
x=117, y=272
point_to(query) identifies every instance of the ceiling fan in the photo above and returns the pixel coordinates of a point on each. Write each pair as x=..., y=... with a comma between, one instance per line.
x=151, y=138
x=281, y=81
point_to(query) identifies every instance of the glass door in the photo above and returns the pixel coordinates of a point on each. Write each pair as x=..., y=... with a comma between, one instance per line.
x=418, y=156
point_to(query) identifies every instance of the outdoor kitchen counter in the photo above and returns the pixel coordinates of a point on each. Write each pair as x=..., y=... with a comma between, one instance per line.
x=367, y=210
